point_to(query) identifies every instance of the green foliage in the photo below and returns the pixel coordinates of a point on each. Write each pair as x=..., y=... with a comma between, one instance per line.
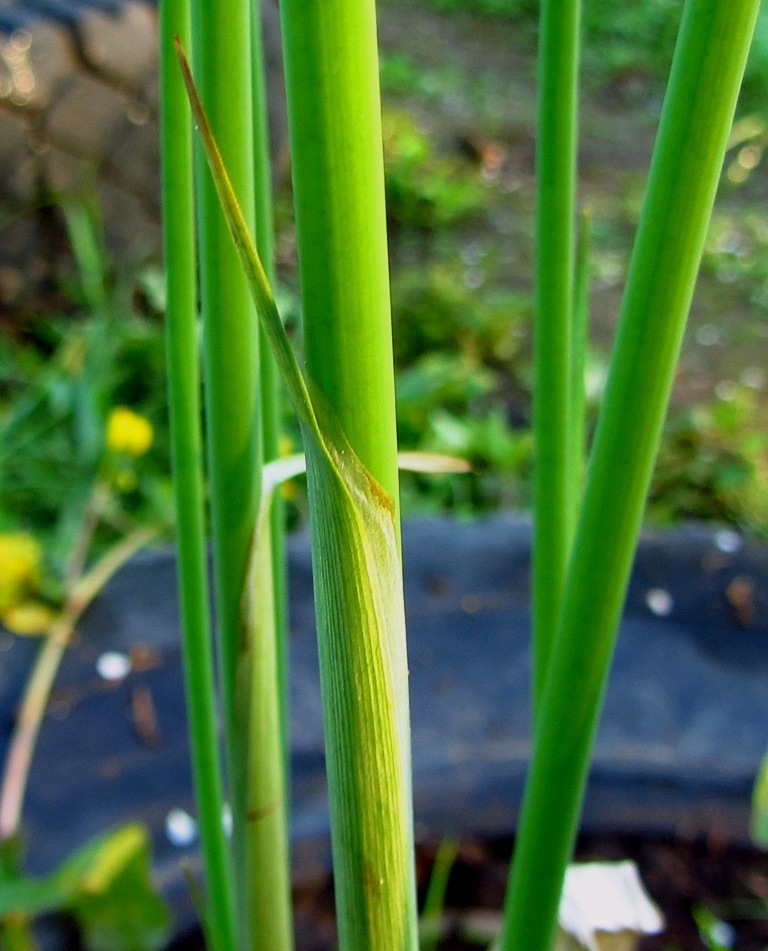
x=462, y=360
x=628, y=47
x=715, y=934
x=502, y=8
x=425, y=189
x=713, y=464
x=105, y=886
x=56, y=393
x=759, y=817
x=439, y=309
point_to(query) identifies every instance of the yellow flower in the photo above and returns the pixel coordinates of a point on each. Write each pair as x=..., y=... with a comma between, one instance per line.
x=28, y=618
x=20, y=559
x=128, y=433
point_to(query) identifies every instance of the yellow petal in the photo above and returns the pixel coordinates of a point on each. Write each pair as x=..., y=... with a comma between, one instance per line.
x=128, y=432
x=31, y=618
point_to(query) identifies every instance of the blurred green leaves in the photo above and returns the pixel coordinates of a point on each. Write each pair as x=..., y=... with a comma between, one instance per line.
x=105, y=886
x=55, y=398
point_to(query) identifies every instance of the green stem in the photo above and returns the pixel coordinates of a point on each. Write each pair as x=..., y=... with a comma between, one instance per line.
x=270, y=388
x=334, y=111
x=186, y=444
x=259, y=691
x=434, y=902
x=555, y=191
x=579, y=345
x=334, y=116
x=221, y=34
x=706, y=74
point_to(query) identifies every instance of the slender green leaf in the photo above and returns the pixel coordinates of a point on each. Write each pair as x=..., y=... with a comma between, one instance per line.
x=434, y=902
x=556, y=142
x=183, y=357
x=221, y=46
x=698, y=111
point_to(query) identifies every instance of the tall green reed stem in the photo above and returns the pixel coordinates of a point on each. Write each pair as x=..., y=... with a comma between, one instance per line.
x=698, y=111
x=186, y=443
x=555, y=210
x=221, y=35
x=269, y=388
x=250, y=693
x=331, y=59
x=331, y=62
x=579, y=347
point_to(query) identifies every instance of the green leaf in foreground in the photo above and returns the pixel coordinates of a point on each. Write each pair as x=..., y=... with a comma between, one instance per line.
x=361, y=625
x=105, y=886
x=759, y=821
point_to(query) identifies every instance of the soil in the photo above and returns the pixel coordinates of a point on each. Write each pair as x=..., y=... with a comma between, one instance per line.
x=730, y=882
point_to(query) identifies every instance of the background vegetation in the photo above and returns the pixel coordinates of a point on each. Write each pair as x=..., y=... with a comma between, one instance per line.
x=459, y=157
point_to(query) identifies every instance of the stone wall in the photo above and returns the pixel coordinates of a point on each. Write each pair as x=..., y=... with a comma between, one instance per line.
x=79, y=117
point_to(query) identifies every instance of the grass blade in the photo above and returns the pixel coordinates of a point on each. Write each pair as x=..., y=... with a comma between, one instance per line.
x=221, y=35
x=698, y=111
x=188, y=478
x=555, y=210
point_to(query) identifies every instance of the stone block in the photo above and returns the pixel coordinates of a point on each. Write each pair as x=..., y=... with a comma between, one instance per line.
x=25, y=263
x=17, y=163
x=133, y=163
x=86, y=116
x=132, y=233
x=123, y=46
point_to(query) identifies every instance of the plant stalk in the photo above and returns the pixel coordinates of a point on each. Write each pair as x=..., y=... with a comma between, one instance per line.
x=557, y=138
x=334, y=112
x=221, y=42
x=183, y=359
x=707, y=70
x=271, y=402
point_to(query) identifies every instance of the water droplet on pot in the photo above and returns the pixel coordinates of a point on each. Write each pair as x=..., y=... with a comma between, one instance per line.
x=113, y=665
x=728, y=541
x=659, y=602
x=180, y=828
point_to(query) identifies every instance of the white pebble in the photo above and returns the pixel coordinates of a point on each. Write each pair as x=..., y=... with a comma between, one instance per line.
x=180, y=828
x=659, y=602
x=728, y=541
x=113, y=665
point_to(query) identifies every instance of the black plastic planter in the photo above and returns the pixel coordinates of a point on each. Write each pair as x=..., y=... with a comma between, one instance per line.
x=683, y=732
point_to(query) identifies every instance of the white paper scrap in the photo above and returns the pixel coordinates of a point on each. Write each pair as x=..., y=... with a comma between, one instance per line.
x=606, y=898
